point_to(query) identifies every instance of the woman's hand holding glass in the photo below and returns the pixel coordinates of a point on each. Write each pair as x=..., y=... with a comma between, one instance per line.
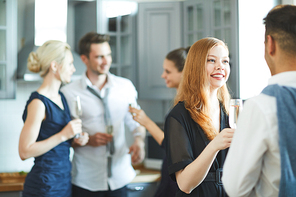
x=82, y=139
x=139, y=115
x=73, y=128
x=223, y=139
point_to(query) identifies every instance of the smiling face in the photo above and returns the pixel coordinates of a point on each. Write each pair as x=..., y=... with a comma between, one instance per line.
x=217, y=67
x=100, y=58
x=170, y=74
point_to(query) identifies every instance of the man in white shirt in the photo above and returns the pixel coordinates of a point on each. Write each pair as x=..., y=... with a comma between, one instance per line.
x=103, y=167
x=255, y=159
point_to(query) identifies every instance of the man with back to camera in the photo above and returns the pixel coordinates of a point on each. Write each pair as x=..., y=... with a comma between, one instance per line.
x=261, y=160
x=103, y=167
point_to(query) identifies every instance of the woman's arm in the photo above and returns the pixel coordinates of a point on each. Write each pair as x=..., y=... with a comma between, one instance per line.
x=141, y=117
x=194, y=173
x=28, y=147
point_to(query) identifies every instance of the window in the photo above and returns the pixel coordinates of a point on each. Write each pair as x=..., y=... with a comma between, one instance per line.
x=254, y=72
x=50, y=20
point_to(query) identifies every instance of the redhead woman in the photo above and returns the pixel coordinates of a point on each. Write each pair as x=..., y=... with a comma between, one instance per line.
x=48, y=129
x=197, y=134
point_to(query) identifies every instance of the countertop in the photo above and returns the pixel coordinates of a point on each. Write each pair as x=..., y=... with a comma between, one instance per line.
x=146, y=175
x=143, y=176
x=9, y=187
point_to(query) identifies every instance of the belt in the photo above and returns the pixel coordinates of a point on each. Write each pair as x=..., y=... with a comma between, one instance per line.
x=215, y=176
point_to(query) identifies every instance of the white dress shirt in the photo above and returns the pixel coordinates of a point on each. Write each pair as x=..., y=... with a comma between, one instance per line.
x=252, y=166
x=89, y=164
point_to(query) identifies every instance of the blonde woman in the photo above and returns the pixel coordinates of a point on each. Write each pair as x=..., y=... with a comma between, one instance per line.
x=197, y=133
x=48, y=128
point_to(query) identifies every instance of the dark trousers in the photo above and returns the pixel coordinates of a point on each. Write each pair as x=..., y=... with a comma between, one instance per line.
x=80, y=192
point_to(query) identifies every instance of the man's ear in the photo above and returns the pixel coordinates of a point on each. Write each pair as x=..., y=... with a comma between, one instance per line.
x=270, y=45
x=84, y=59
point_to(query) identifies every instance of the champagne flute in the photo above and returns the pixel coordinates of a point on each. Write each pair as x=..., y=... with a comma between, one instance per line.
x=77, y=111
x=134, y=105
x=236, y=106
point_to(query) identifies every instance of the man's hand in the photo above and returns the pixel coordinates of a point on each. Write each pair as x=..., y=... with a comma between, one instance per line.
x=137, y=150
x=99, y=139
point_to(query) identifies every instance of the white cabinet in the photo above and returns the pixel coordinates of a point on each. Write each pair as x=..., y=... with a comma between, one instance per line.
x=215, y=18
x=8, y=48
x=159, y=32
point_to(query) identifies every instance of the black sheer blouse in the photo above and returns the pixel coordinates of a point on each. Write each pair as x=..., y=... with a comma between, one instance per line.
x=184, y=141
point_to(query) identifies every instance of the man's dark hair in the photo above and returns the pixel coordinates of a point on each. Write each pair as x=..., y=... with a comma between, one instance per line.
x=91, y=38
x=280, y=24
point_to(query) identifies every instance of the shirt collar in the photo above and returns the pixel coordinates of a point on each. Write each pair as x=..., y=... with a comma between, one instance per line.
x=86, y=82
x=283, y=78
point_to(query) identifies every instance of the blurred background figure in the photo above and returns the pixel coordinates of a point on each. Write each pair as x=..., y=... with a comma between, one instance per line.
x=104, y=166
x=172, y=72
x=48, y=128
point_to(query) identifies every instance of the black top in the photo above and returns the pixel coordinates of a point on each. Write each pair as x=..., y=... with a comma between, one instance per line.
x=167, y=187
x=184, y=141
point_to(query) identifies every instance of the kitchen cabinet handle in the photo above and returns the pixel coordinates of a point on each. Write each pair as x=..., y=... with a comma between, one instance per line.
x=135, y=188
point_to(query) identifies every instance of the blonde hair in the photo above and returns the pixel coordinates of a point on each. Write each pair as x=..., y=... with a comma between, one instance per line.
x=52, y=50
x=194, y=88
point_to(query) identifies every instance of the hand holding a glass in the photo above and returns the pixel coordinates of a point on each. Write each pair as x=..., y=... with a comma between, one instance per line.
x=139, y=115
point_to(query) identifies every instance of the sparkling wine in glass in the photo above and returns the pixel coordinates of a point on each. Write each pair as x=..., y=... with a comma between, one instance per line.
x=77, y=111
x=236, y=106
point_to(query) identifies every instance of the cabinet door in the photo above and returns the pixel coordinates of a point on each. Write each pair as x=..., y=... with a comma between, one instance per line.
x=215, y=18
x=8, y=48
x=159, y=32
x=196, y=21
x=224, y=25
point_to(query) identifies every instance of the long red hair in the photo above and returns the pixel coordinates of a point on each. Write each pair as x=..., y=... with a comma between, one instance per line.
x=194, y=88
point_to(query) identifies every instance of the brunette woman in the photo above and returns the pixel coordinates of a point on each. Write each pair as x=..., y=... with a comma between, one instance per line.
x=173, y=65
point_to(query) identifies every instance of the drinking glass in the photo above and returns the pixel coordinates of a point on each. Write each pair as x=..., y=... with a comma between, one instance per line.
x=77, y=111
x=236, y=106
x=134, y=105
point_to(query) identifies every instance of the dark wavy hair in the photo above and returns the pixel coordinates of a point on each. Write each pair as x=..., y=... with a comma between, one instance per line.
x=178, y=56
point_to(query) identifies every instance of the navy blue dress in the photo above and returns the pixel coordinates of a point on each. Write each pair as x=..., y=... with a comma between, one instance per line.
x=51, y=173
